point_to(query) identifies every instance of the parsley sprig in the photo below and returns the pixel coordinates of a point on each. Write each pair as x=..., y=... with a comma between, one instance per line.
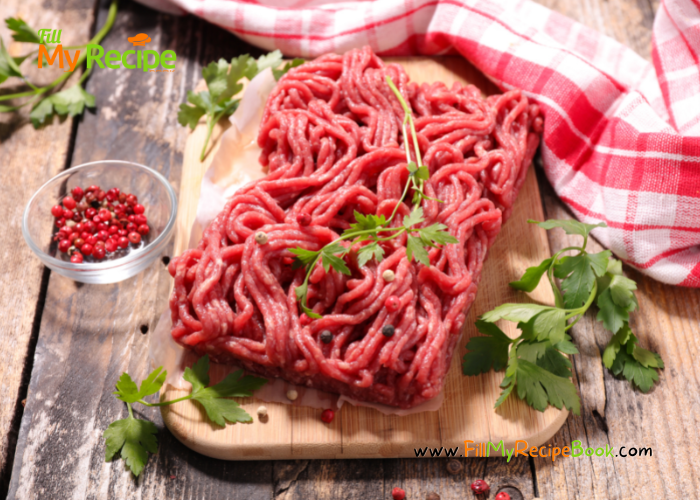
x=134, y=438
x=535, y=362
x=377, y=229
x=71, y=101
x=224, y=82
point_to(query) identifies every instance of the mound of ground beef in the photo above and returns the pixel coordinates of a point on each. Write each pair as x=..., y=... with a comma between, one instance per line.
x=332, y=143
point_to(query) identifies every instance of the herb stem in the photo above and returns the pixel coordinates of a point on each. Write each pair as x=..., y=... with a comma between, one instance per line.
x=131, y=412
x=210, y=128
x=403, y=197
x=165, y=403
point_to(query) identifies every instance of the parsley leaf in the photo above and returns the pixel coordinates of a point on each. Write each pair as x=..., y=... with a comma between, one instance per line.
x=414, y=248
x=414, y=218
x=278, y=73
x=223, y=82
x=616, y=343
x=571, y=226
x=436, y=233
x=133, y=439
x=422, y=173
x=621, y=292
x=22, y=32
x=539, y=369
x=71, y=101
x=532, y=277
x=566, y=346
x=514, y=312
x=612, y=315
x=641, y=376
x=129, y=393
x=329, y=260
x=486, y=352
x=303, y=257
x=541, y=388
x=190, y=115
x=555, y=362
x=234, y=385
x=365, y=254
x=546, y=356
x=8, y=66
x=271, y=60
x=546, y=325
x=578, y=280
x=366, y=223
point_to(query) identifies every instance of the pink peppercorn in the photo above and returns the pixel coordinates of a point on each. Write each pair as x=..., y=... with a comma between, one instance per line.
x=398, y=494
x=327, y=416
x=480, y=486
x=69, y=203
x=503, y=496
x=57, y=211
x=123, y=242
x=134, y=238
x=392, y=303
x=78, y=193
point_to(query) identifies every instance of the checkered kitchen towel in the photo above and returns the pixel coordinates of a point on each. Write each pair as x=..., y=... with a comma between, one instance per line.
x=621, y=137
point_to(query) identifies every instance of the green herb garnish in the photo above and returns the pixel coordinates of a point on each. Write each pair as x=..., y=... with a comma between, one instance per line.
x=68, y=102
x=224, y=82
x=370, y=227
x=535, y=362
x=133, y=438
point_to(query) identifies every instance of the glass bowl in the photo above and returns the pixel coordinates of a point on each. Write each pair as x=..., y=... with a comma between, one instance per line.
x=153, y=192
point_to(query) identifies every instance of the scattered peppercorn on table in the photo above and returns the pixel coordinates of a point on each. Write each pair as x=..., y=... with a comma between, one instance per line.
x=63, y=344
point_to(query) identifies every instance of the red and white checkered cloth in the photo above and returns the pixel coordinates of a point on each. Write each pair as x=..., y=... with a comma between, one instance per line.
x=621, y=136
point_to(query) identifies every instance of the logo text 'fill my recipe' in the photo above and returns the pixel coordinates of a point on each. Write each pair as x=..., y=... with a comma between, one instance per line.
x=147, y=60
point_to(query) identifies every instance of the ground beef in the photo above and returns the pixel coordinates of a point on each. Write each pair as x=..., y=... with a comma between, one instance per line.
x=332, y=143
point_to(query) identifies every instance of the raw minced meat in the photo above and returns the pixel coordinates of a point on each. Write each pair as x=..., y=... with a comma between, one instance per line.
x=332, y=143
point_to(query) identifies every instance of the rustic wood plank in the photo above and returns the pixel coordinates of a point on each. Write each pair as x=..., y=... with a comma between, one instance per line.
x=667, y=322
x=90, y=334
x=612, y=413
x=28, y=158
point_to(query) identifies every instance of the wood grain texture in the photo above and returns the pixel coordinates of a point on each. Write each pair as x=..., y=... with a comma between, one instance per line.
x=293, y=431
x=28, y=158
x=89, y=334
x=612, y=413
x=667, y=322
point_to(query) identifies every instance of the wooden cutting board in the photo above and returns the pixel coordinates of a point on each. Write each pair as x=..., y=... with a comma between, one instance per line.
x=297, y=432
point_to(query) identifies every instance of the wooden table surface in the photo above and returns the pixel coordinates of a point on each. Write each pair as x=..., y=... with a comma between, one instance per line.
x=63, y=344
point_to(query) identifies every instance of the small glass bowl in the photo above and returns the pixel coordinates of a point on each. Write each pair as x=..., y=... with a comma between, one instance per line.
x=153, y=192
